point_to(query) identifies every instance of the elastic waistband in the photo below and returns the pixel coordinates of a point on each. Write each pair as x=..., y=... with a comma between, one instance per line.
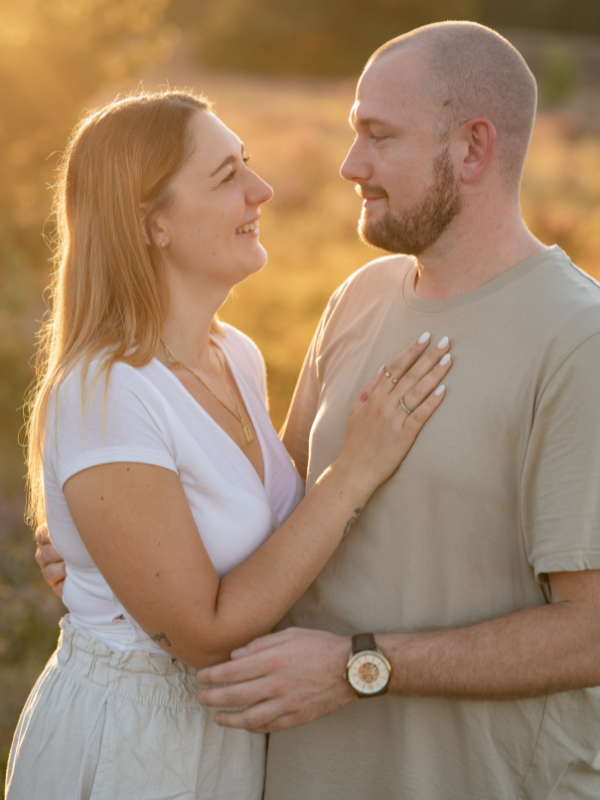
x=134, y=674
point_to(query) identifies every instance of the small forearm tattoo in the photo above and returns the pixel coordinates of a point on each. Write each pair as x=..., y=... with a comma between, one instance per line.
x=161, y=637
x=351, y=522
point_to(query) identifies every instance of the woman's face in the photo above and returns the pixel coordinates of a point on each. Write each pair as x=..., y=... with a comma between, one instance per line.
x=211, y=227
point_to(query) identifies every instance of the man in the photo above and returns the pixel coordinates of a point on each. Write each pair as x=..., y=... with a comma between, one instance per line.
x=477, y=565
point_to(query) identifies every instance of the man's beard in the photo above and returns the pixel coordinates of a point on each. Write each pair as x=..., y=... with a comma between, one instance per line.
x=418, y=228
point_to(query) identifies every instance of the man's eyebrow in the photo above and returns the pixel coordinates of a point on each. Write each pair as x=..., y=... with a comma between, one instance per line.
x=355, y=120
x=226, y=161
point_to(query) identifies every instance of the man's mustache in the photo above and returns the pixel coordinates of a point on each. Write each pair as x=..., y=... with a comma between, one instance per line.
x=370, y=191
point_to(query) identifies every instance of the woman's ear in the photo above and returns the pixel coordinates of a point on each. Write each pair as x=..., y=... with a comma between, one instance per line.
x=157, y=231
x=479, y=145
x=143, y=218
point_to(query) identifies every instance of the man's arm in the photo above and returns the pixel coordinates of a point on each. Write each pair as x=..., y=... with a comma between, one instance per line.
x=295, y=676
x=50, y=561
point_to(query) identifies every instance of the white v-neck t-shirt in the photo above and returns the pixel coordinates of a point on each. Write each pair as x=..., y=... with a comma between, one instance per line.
x=151, y=418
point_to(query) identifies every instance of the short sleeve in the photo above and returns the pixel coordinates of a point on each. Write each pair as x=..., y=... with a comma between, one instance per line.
x=305, y=402
x=128, y=422
x=560, y=495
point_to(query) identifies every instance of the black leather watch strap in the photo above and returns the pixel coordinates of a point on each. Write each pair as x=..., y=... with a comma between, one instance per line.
x=363, y=641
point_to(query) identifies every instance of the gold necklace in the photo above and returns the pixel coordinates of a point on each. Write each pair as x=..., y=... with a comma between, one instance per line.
x=174, y=361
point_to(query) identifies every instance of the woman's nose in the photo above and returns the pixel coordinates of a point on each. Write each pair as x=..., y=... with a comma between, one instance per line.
x=260, y=191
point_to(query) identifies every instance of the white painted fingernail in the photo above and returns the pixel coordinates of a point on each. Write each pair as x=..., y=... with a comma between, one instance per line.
x=440, y=390
x=445, y=360
x=424, y=337
x=442, y=343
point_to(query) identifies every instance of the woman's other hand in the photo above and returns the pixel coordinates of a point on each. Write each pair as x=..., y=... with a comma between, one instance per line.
x=50, y=561
x=380, y=429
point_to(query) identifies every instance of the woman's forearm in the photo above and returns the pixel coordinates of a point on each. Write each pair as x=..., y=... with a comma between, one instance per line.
x=254, y=596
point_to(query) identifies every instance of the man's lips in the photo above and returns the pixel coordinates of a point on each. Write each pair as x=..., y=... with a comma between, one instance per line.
x=370, y=194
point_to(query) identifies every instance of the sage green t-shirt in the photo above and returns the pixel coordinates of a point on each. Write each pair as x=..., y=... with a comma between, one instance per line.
x=500, y=488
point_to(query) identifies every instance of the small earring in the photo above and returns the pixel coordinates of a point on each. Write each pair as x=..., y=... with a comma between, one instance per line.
x=161, y=244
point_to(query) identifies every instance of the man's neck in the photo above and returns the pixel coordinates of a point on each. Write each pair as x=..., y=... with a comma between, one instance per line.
x=473, y=251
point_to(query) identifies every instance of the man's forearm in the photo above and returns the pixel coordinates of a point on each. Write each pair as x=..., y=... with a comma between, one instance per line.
x=531, y=652
x=295, y=676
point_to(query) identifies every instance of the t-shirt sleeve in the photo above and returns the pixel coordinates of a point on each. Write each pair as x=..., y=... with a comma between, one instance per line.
x=127, y=423
x=559, y=493
x=305, y=402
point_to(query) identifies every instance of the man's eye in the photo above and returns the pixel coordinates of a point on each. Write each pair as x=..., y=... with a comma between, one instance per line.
x=378, y=137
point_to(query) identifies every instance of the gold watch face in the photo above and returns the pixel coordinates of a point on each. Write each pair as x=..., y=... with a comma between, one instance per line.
x=368, y=673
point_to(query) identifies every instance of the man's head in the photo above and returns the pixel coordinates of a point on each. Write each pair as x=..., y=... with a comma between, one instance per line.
x=440, y=113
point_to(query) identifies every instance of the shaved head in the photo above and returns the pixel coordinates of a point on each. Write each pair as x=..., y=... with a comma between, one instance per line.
x=471, y=71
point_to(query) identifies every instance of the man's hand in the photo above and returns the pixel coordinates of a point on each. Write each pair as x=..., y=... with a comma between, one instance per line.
x=51, y=563
x=285, y=679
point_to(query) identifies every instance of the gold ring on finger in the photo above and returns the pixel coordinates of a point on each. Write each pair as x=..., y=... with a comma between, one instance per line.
x=395, y=380
x=405, y=407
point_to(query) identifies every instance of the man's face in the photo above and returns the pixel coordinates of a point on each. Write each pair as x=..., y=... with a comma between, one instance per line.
x=405, y=177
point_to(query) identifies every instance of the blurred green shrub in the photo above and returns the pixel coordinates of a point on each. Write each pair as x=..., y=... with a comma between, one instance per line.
x=335, y=37
x=558, y=75
x=305, y=37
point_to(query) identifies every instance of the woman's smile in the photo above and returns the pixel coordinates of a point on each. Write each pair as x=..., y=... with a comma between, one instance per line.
x=248, y=229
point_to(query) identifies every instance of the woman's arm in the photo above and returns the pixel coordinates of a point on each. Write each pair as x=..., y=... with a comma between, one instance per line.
x=138, y=527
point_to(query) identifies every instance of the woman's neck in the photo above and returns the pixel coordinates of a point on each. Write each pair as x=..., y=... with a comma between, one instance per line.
x=186, y=331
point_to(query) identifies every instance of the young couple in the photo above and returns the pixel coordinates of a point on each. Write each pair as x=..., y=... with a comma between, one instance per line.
x=183, y=522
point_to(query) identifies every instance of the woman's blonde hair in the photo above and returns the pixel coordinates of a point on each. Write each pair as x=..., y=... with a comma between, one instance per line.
x=108, y=294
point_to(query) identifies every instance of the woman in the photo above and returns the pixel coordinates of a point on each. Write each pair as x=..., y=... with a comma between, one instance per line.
x=165, y=486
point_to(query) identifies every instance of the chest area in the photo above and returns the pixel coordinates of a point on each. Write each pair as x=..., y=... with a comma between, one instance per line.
x=477, y=437
x=224, y=404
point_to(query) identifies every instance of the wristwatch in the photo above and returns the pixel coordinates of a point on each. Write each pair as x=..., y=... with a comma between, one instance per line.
x=368, y=671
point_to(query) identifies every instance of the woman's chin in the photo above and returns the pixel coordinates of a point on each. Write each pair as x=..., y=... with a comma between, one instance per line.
x=256, y=261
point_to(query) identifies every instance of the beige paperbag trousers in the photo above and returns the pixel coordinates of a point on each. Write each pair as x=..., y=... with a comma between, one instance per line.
x=104, y=725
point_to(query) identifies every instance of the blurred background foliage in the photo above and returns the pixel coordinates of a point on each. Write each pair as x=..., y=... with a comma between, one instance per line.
x=283, y=75
x=335, y=37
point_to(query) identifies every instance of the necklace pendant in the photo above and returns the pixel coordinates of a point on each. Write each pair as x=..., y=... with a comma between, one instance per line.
x=247, y=433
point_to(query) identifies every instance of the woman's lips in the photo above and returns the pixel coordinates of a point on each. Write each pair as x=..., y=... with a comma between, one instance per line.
x=249, y=227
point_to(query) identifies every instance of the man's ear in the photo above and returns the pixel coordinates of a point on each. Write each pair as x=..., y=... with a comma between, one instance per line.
x=479, y=145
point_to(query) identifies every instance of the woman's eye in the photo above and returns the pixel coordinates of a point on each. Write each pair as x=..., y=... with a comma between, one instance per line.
x=233, y=173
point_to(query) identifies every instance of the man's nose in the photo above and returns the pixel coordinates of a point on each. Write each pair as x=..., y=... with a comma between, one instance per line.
x=356, y=167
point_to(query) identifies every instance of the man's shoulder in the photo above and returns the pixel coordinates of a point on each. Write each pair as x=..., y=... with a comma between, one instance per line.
x=567, y=298
x=382, y=271
x=370, y=283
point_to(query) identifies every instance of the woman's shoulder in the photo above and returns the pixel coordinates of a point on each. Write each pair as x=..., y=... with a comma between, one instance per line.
x=242, y=349
x=246, y=357
x=95, y=374
x=99, y=416
x=93, y=391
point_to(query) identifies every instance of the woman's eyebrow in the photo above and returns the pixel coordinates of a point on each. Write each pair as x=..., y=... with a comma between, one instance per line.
x=226, y=161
